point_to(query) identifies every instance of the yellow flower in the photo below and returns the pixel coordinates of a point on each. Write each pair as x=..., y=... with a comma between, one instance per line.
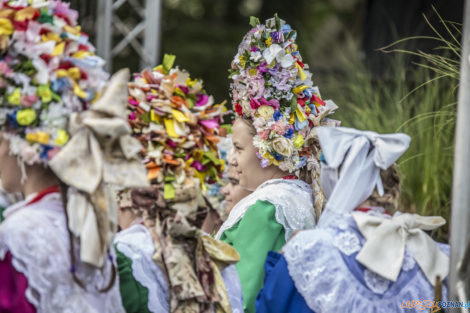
x=270, y=158
x=6, y=27
x=191, y=82
x=15, y=97
x=242, y=61
x=45, y=93
x=299, y=141
x=41, y=137
x=62, y=137
x=266, y=111
x=252, y=71
x=198, y=154
x=26, y=117
x=269, y=41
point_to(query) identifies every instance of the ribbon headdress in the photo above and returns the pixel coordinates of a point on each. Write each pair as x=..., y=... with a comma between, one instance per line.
x=360, y=155
x=178, y=124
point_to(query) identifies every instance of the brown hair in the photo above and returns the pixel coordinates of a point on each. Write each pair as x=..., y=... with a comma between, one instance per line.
x=249, y=122
x=391, y=184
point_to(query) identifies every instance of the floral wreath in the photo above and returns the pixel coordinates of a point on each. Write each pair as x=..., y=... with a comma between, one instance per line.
x=48, y=70
x=177, y=122
x=272, y=87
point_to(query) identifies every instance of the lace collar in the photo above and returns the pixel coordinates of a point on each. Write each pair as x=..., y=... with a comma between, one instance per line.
x=292, y=198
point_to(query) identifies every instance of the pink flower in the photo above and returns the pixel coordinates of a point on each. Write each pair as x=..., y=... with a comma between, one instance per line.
x=273, y=102
x=279, y=128
x=255, y=104
x=264, y=134
x=29, y=100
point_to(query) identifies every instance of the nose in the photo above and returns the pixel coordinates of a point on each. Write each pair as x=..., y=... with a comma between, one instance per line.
x=233, y=161
x=224, y=190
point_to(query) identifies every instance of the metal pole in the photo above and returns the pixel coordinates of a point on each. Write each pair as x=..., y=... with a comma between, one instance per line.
x=104, y=31
x=152, y=33
x=460, y=215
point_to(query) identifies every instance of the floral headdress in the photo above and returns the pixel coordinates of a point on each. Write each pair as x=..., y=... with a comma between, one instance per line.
x=48, y=70
x=52, y=113
x=177, y=122
x=273, y=87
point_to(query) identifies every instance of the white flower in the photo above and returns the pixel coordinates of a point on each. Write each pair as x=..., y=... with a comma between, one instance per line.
x=283, y=146
x=271, y=53
x=255, y=56
x=286, y=60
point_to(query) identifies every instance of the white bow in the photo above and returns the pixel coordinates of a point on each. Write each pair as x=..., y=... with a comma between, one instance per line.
x=361, y=155
x=386, y=238
x=100, y=156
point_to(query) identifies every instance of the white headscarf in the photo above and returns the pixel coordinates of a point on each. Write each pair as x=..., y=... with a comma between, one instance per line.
x=361, y=155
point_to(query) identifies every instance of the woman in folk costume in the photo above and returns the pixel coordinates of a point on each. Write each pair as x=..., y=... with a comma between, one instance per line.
x=274, y=141
x=65, y=144
x=359, y=258
x=172, y=266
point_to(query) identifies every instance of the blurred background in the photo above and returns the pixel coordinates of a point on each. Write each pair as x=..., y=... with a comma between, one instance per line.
x=389, y=66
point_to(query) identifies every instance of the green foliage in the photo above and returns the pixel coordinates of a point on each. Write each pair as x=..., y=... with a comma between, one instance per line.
x=427, y=115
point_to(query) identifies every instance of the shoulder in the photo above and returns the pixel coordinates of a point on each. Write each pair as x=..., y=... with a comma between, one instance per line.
x=33, y=226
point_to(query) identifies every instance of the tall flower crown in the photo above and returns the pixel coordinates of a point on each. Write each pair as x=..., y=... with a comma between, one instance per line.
x=48, y=70
x=177, y=122
x=273, y=88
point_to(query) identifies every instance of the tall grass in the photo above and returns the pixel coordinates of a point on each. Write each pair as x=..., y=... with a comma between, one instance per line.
x=416, y=101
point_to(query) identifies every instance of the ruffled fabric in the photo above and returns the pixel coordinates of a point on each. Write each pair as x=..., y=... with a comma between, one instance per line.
x=136, y=244
x=37, y=238
x=330, y=279
x=292, y=198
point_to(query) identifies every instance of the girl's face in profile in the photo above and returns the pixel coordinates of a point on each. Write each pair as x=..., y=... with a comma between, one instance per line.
x=233, y=191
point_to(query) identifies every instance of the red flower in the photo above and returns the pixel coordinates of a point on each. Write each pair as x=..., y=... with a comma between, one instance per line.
x=238, y=109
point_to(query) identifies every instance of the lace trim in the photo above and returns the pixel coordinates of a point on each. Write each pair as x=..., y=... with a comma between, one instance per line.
x=37, y=238
x=293, y=200
x=327, y=285
x=347, y=242
x=136, y=244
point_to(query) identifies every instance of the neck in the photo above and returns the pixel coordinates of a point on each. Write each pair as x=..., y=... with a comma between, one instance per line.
x=38, y=178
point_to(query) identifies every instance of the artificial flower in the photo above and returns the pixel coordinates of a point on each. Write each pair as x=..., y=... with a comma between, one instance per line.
x=283, y=146
x=26, y=117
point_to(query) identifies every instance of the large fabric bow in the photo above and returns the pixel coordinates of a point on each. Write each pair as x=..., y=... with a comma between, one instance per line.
x=100, y=157
x=386, y=238
x=359, y=155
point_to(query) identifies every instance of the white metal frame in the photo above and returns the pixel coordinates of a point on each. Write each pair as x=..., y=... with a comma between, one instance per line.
x=109, y=22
